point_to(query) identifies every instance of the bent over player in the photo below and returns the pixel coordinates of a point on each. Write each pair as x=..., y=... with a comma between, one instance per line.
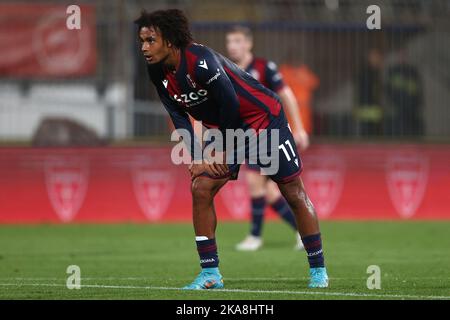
x=192, y=79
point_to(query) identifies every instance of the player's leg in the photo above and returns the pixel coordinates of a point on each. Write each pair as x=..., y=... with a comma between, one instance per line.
x=203, y=191
x=302, y=207
x=281, y=207
x=257, y=188
x=308, y=227
x=291, y=186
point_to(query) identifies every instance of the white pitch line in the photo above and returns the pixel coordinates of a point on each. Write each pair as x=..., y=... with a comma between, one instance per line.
x=228, y=279
x=155, y=278
x=324, y=293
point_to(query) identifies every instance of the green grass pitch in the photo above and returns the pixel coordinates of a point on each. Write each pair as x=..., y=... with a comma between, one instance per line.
x=129, y=261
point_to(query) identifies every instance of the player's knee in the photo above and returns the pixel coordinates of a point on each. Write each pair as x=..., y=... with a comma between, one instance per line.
x=298, y=200
x=294, y=199
x=294, y=194
x=202, y=188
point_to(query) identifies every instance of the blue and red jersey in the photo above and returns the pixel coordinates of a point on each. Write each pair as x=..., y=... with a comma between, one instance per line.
x=266, y=72
x=212, y=89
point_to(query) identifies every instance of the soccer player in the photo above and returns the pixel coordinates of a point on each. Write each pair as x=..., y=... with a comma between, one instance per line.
x=193, y=79
x=263, y=191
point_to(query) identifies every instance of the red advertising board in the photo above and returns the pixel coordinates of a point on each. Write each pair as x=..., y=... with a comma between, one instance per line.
x=142, y=184
x=36, y=42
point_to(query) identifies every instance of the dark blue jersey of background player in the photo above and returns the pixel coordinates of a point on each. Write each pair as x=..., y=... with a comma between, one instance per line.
x=212, y=89
x=267, y=73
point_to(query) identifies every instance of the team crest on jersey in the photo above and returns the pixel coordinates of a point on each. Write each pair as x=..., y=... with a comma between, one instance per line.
x=407, y=176
x=324, y=180
x=66, y=179
x=153, y=189
x=191, y=82
x=235, y=197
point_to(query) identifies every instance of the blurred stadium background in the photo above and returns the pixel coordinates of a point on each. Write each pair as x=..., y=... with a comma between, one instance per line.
x=374, y=101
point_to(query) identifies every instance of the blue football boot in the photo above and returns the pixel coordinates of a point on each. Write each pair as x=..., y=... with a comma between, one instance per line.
x=318, y=278
x=209, y=278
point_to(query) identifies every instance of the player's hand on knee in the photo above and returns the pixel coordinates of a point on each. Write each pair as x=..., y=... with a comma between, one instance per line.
x=213, y=169
x=196, y=170
x=217, y=166
x=221, y=169
x=216, y=169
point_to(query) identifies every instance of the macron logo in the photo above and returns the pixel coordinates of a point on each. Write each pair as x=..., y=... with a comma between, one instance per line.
x=203, y=65
x=165, y=83
x=214, y=77
x=296, y=161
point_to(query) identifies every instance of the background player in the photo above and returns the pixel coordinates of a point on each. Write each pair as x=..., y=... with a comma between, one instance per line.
x=263, y=191
x=193, y=79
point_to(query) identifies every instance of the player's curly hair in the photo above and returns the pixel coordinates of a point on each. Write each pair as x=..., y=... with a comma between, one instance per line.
x=172, y=23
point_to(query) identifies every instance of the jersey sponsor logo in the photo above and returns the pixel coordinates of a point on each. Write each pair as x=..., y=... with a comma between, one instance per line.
x=203, y=64
x=217, y=75
x=165, y=83
x=190, y=81
x=192, y=98
x=153, y=189
x=235, y=197
x=66, y=180
x=324, y=180
x=407, y=177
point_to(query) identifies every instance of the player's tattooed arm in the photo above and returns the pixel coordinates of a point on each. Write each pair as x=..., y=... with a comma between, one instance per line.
x=181, y=120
